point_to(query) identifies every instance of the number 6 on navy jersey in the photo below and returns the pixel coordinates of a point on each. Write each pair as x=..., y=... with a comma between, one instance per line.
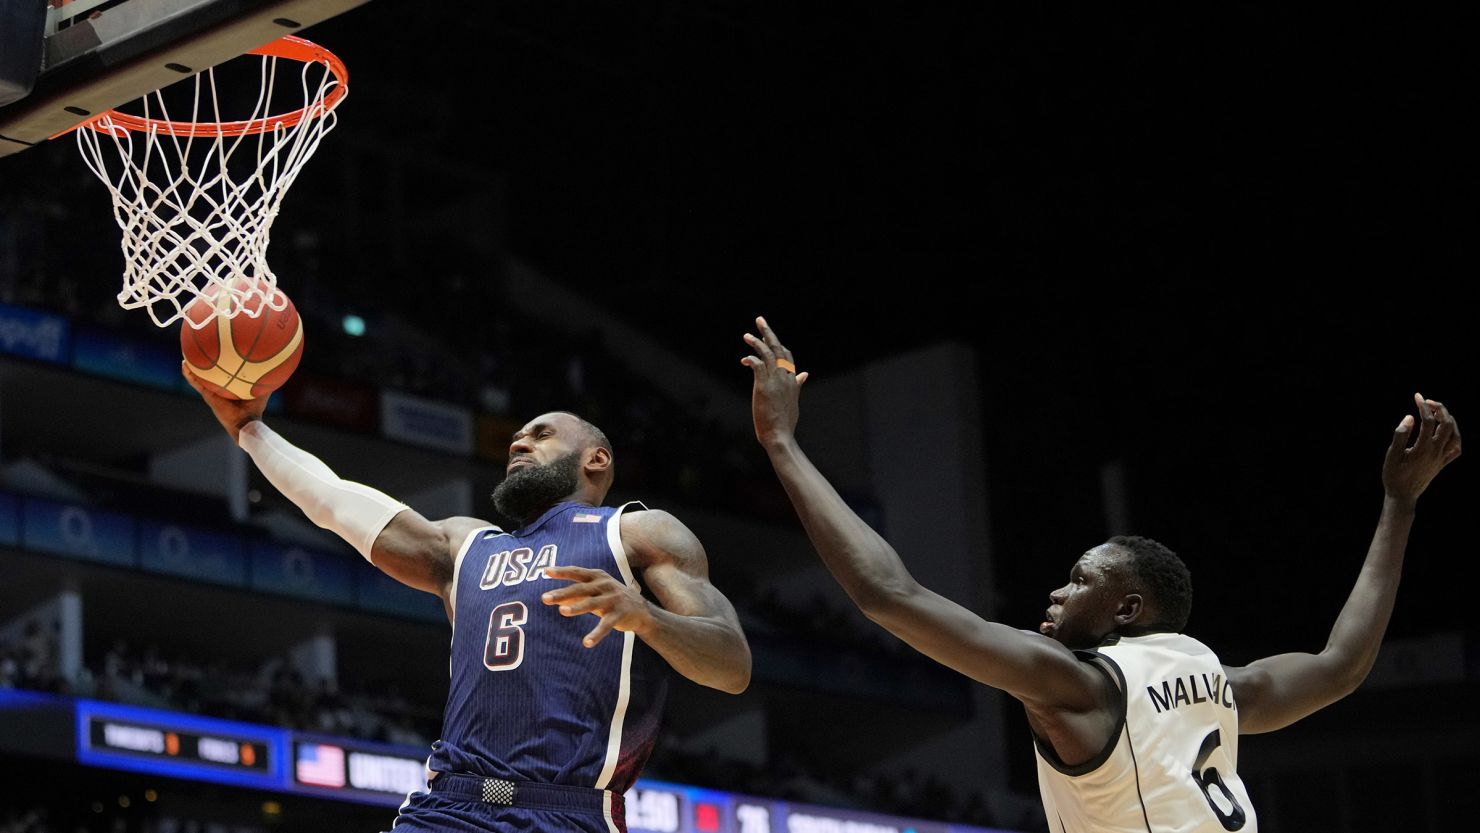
x=505, y=648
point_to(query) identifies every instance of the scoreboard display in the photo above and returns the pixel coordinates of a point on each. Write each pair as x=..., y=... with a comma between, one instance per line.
x=186, y=746
x=177, y=744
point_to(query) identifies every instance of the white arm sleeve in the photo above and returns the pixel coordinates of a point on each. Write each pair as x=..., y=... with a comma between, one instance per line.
x=353, y=511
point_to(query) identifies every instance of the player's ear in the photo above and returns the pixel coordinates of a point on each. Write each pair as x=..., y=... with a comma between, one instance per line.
x=1130, y=609
x=598, y=459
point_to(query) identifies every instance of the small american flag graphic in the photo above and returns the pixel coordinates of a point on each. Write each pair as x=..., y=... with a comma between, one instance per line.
x=320, y=765
x=585, y=518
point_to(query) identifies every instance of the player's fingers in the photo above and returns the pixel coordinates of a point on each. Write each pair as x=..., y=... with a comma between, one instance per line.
x=767, y=333
x=578, y=607
x=771, y=340
x=1447, y=426
x=570, y=591
x=1452, y=444
x=1427, y=421
x=761, y=350
x=1441, y=435
x=555, y=597
x=573, y=573
x=802, y=377
x=189, y=377
x=599, y=632
x=1400, y=436
x=1453, y=423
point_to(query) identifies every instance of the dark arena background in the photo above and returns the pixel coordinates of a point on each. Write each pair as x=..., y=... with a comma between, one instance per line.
x=1057, y=273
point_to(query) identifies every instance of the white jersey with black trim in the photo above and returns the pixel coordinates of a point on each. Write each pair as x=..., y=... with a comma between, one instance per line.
x=1171, y=766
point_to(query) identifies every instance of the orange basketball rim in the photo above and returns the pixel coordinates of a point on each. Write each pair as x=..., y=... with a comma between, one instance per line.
x=290, y=47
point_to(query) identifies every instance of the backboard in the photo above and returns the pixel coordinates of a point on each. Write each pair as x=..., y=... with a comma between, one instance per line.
x=98, y=54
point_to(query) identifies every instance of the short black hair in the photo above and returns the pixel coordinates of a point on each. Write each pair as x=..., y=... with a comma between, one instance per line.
x=595, y=435
x=1162, y=575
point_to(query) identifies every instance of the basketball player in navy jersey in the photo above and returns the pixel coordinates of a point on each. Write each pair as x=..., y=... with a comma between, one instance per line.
x=549, y=718
x=1135, y=725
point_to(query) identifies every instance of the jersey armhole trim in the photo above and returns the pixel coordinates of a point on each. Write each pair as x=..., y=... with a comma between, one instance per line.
x=1106, y=666
x=624, y=679
x=614, y=539
x=462, y=553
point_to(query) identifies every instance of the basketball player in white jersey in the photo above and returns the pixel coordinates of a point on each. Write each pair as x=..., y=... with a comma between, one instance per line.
x=1136, y=725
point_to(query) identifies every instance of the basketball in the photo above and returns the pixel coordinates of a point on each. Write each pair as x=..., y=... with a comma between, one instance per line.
x=243, y=356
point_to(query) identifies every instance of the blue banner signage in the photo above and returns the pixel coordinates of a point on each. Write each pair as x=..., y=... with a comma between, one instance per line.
x=305, y=574
x=10, y=519
x=193, y=553
x=152, y=363
x=383, y=594
x=33, y=335
x=425, y=422
x=79, y=531
x=121, y=540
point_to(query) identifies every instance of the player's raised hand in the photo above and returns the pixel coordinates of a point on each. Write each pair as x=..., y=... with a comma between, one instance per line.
x=1408, y=469
x=233, y=414
x=775, y=396
x=599, y=593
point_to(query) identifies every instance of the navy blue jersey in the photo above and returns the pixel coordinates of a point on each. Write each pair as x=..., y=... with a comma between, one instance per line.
x=528, y=701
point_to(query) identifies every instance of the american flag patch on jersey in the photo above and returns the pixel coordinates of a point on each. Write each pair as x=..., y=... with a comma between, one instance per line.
x=585, y=518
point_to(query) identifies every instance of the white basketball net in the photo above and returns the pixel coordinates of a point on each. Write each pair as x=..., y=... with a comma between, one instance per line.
x=196, y=204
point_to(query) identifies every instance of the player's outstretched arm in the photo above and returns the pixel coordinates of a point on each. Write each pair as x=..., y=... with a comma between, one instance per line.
x=403, y=544
x=693, y=626
x=1276, y=691
x=1033, y=668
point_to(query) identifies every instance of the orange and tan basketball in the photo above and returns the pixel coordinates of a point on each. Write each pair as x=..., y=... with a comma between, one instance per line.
x=243, y=356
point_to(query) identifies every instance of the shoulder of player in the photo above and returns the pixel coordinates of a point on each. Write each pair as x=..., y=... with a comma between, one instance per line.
x=653, y=535
x=457, y=530
x=1075, y=712
x=1100, y=680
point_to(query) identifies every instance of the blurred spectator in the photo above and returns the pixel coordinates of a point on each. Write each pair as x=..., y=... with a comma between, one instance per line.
x=31, y=662
x=272, y=692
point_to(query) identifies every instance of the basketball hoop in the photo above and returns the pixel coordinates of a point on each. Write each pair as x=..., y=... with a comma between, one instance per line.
x=196, y=199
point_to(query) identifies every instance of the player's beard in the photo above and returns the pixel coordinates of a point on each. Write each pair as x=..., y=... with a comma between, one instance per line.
x=528, y=491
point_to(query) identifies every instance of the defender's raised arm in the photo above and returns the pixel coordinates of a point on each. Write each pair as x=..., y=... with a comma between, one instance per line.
x=1279, y=690
x=1037, y=670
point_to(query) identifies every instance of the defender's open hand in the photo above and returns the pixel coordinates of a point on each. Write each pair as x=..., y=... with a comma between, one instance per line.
x=599, y=593
x=1408, y=470
x=774, y=399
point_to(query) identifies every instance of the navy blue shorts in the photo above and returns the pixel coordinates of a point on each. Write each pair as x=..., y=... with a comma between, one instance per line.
x=460, y=804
